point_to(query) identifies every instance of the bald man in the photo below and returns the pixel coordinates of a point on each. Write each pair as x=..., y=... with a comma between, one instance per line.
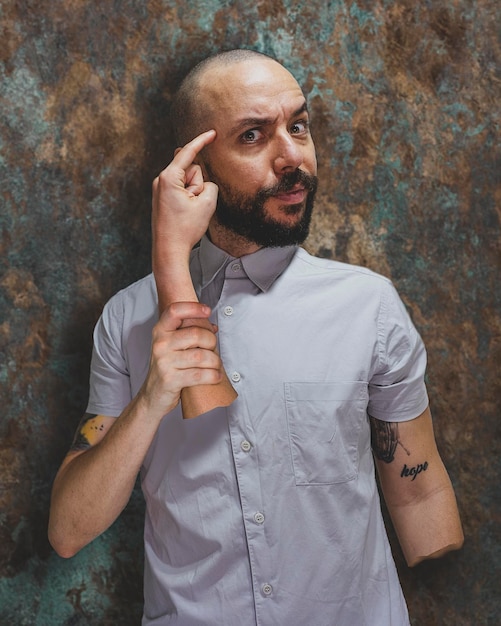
x=265, y=511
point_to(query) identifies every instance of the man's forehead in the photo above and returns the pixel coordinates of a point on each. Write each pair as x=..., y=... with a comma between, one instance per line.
x=250, y=89
x=248, y=70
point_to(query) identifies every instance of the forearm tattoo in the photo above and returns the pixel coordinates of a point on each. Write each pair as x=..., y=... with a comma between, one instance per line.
x=86, y=433
x=385, y=439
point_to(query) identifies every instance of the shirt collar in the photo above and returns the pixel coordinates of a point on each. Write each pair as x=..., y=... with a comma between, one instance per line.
x=212, y=260
x=262, y=267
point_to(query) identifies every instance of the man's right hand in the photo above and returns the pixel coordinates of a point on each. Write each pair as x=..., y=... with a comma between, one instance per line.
x=183, y=203
x=180, y=357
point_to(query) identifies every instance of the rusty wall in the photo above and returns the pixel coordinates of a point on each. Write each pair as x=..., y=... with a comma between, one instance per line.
x=405, y=97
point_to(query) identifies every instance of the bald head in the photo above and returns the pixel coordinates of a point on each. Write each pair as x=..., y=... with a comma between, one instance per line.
x=192, y=106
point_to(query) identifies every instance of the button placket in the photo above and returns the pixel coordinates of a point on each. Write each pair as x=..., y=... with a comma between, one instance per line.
x=246, y=463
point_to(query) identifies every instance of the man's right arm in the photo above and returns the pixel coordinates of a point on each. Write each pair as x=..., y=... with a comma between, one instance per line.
x=97, y=476
x=94, y=484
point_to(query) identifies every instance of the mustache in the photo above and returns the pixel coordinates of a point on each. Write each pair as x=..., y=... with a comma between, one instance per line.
x=287, y=183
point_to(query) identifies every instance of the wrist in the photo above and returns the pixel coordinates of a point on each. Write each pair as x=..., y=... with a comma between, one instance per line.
x=173, y=282
x=169, y=248
x=152, y=409
x=174, y=288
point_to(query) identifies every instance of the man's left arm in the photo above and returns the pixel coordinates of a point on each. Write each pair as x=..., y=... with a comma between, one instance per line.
x=416, y=488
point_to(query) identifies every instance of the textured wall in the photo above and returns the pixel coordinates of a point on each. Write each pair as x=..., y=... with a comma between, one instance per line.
x=405, y=96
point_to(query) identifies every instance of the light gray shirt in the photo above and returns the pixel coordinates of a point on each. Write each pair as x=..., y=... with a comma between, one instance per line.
x=267, y=513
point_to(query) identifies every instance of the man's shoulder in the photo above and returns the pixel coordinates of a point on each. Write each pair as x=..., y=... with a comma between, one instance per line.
x=305, y=262
x=141, y=293
x=142, y=286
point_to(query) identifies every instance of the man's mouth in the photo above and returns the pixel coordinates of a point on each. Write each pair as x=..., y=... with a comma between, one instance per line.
x=292, y=191
x=295, y=196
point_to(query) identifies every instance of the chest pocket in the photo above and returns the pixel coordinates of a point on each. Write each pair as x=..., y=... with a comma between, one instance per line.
x=324, y=421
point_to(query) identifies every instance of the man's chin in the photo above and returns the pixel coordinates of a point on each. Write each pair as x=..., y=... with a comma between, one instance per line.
x=287, y=210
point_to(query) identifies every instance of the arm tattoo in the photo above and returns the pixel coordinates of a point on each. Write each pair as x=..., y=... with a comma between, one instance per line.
x=413, y=471
x=86, y=433
x=385, y=439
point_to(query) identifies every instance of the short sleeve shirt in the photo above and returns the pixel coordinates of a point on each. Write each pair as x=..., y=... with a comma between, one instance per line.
x=267, y=512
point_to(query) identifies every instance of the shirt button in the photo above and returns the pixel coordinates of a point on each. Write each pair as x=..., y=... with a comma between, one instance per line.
x=267, y=589
x=246, y=446
x=228, y=310
x=235, y=267
x=235, y=377
x=259, y=518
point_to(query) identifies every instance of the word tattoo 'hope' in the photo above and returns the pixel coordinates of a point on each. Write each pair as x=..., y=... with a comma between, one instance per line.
x=414, y=471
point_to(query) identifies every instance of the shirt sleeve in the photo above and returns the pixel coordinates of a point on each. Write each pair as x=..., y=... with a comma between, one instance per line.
x=109, y=391
x=397, y=390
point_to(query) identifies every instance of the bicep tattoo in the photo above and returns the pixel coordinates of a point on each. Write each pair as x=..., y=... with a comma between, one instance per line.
x=385, y=439
x=86, y=435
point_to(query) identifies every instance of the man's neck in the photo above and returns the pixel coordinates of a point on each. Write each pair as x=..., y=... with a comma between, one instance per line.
x=225, y=239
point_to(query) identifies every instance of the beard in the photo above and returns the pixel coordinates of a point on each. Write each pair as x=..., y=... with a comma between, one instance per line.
x=246, y=216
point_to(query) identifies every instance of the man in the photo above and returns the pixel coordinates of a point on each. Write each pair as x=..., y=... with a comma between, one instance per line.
x=264, y=511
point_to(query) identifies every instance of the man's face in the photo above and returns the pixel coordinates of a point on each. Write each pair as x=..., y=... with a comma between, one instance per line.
x=246, y=215
x=263, y=158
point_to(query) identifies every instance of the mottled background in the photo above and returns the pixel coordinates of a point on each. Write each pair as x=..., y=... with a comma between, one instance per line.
x=406, y=98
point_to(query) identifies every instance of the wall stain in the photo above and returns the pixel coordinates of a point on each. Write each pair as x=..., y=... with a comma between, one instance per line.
x=405, y=104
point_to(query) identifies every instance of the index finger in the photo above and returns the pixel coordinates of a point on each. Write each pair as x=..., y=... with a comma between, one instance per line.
x=186, y=155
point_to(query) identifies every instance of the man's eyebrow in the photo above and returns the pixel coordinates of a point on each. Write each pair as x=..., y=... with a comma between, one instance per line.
x=302, y=109
x=249, y=122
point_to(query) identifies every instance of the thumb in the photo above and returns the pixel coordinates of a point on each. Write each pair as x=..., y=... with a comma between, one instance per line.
x=210, y=191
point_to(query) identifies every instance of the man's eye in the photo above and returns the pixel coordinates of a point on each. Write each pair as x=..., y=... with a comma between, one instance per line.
x=299, y=128
x=251, y=136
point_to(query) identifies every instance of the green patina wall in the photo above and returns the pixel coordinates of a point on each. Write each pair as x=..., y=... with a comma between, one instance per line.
x=405, y=97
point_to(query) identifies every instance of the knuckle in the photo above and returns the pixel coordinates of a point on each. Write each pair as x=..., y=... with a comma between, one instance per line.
x=195, y=334
x=197, y=356
x=172, y=310
x=197, y=376
x=156, y=350
x=163, y=178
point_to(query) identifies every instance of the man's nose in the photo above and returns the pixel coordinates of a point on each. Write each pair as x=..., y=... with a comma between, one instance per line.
x=288, y=154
